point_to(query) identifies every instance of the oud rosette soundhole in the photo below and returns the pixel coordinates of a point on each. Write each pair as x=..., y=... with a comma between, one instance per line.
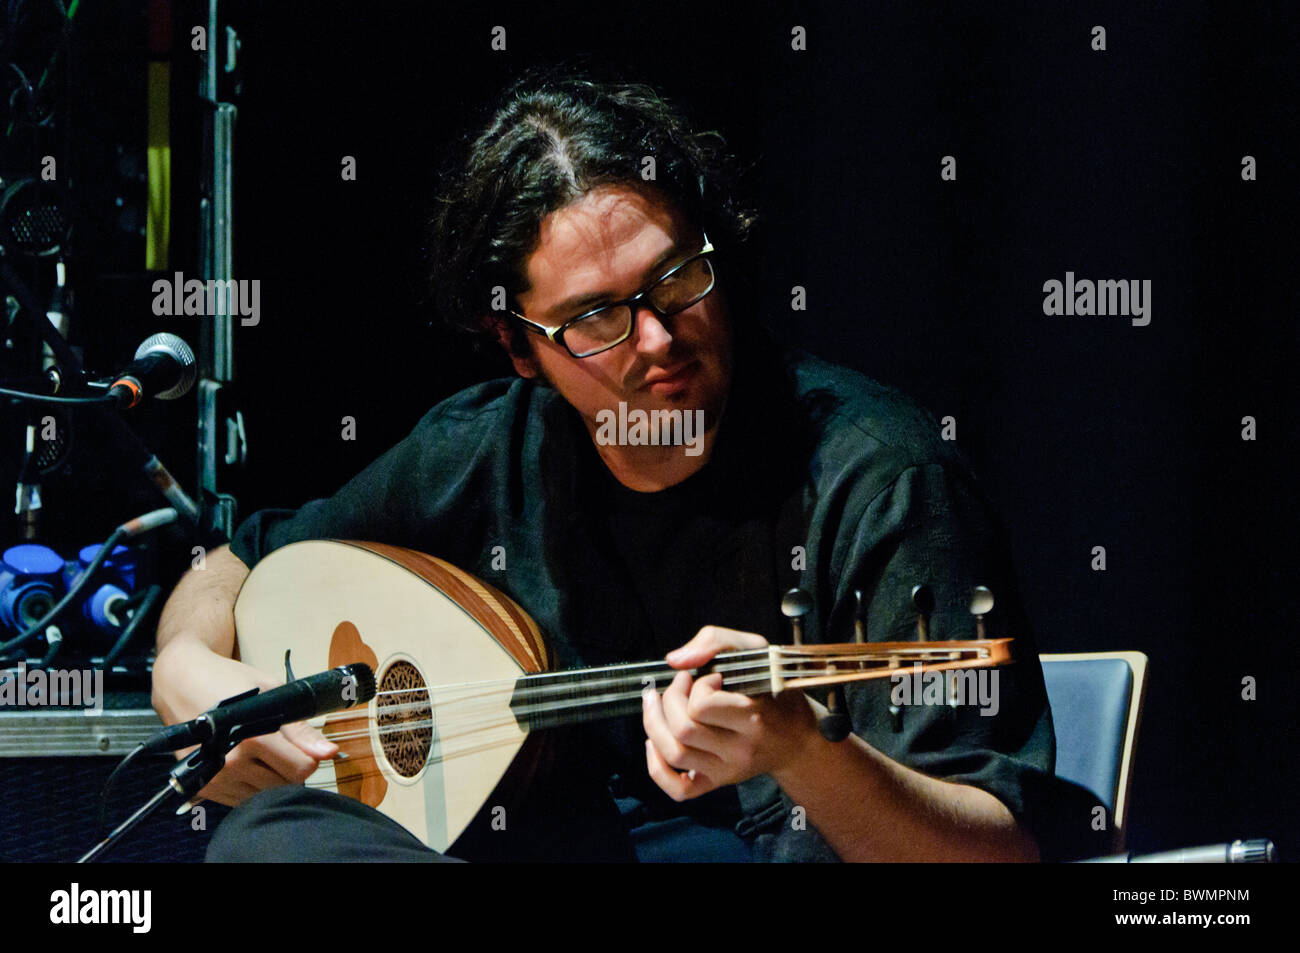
x=405, y=719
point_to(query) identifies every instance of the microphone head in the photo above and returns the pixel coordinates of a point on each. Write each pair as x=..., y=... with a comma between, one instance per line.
x=1259, y=851
x=365, y=677
x=165, y=343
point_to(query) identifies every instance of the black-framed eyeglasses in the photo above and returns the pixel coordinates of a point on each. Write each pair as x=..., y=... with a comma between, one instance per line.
x=610, y=325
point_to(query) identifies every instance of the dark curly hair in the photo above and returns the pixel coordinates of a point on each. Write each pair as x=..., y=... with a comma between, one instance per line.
x=553, y=137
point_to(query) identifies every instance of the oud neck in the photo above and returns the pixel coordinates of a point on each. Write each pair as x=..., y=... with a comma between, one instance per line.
x=551, y=699
x=555, y=699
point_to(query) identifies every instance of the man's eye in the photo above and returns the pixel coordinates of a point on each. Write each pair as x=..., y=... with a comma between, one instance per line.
x=589, y=315
x=605, y=314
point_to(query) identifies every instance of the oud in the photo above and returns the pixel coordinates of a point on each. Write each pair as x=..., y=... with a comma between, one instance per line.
x=463, y=674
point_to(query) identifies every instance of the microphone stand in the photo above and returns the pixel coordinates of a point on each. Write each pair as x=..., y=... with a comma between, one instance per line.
x=150, y=465
x=187, y=778
x=48, y=333
x=99, y=849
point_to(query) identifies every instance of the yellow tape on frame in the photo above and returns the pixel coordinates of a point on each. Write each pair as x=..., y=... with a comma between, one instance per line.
x=157, y=240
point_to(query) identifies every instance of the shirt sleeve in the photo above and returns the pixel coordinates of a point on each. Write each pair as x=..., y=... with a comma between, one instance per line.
x=424, y=492
x=376, y=505
x=931, y=525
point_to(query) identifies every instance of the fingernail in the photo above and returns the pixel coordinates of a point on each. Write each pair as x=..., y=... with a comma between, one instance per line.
x=674, y=655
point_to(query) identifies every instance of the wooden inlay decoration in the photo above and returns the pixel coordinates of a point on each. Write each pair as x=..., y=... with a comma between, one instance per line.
x=511, y=627
x=357, y=774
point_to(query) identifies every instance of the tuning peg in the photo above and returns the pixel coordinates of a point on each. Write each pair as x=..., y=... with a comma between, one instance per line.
x=896, y=718
x=834, y=725
x=859, y=621
x=794, y=606
x=923, y=602
x=981, y=604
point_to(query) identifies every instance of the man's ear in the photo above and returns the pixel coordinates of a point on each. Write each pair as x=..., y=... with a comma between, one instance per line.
x=508, y=335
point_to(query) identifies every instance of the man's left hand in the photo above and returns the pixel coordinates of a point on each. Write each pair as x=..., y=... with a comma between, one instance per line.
x=699, y=737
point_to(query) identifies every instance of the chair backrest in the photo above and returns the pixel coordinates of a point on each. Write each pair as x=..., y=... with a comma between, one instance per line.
x=1096, y=700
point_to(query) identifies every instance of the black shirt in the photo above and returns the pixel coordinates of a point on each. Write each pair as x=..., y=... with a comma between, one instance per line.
x=819, y=477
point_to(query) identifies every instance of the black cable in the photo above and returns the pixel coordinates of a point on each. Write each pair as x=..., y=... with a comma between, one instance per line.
x=55, y=643
x=35, y=313
x=25, y=87
x=82, y=580
x=51, y=399
x=147, y=601
x=134, y=599
x=103, y=795
x=154, y=519
x=151, y=597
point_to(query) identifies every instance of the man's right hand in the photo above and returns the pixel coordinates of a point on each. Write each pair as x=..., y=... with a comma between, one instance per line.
x=189, y=679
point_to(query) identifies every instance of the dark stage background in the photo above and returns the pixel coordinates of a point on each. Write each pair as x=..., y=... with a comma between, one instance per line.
x=1087, y=431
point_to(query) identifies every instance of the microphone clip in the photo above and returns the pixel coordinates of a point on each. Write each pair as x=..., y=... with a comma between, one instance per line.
x=202, y=765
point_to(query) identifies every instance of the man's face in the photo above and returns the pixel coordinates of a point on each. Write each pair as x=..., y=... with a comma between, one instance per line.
x=607, y=246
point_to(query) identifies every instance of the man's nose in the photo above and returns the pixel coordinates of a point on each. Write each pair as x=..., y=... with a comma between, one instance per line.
x=651, y=331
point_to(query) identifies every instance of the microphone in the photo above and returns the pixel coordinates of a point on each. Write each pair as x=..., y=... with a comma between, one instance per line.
x=1258, y=851
x=260, y=713
x=163, y=367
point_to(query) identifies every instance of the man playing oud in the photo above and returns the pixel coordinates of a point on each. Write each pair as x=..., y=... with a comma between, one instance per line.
x=611, y=295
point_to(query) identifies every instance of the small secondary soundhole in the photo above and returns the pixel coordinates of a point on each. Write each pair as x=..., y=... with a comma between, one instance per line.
x=405, y=719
